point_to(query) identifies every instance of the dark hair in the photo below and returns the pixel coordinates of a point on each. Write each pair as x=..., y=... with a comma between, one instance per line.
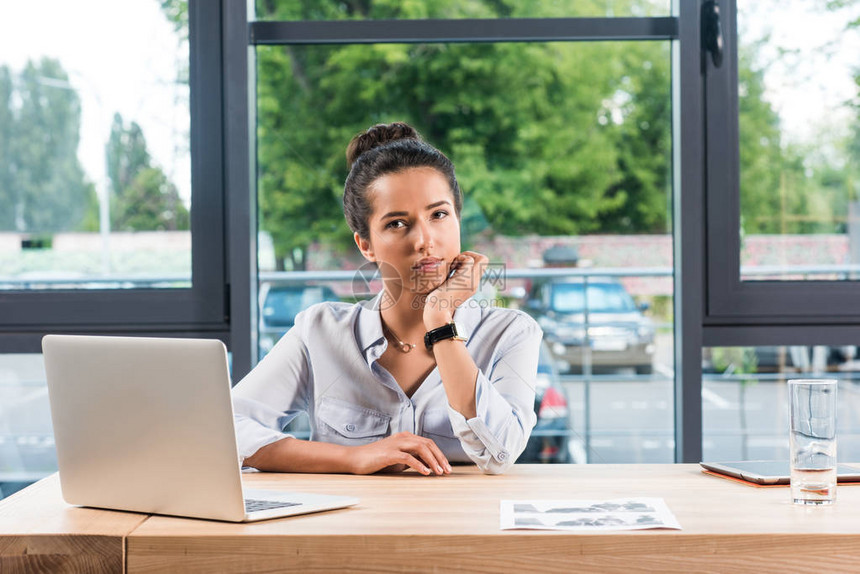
x=381, y=150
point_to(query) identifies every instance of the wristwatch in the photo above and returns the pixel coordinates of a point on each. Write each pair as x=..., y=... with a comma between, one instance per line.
x=450, y=331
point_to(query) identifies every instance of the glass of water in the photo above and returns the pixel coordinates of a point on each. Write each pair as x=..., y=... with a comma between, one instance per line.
x=812, y=438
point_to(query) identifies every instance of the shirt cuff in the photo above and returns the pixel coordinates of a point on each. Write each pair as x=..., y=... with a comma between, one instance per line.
x=486, y=439
x=493, y=452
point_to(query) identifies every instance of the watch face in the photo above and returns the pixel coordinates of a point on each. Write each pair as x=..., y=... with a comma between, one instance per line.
x=459, y=331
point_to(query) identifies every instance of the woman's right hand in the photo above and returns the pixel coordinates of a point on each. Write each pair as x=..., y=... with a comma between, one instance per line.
x=399, y=452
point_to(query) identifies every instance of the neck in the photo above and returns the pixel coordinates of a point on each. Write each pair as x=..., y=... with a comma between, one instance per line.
x=404, y=315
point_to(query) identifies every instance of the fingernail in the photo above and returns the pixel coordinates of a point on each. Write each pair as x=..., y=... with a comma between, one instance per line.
x=426, y=470
x=438, y=470
x=448, y=466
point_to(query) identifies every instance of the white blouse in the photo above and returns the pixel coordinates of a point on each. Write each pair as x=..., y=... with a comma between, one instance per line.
x=327, y=366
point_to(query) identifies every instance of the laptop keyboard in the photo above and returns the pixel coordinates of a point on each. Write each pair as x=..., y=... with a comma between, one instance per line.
x=252, y=505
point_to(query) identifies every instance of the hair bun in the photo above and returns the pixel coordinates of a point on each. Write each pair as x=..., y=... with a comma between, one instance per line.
x=377, y=136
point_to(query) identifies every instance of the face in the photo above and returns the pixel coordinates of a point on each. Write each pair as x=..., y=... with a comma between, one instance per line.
x=414, y=231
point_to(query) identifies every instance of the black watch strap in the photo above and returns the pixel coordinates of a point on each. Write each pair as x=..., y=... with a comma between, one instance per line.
x=449, y=331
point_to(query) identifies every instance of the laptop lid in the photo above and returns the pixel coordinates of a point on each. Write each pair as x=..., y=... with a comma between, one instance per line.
x=146, y=425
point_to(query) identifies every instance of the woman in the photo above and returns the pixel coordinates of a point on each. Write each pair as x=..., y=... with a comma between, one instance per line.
x=421, y=375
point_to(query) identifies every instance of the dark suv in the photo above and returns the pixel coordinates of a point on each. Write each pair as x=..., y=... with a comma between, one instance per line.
x=619, y=334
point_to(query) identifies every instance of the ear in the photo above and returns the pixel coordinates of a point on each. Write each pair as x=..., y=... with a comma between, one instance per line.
x=365, y=247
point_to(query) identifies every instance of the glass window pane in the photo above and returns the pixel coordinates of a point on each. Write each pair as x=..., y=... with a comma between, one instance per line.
x=745, y=400
x=563, y=154
x=26, y=436
x=94, y=133
x=436, y=9
x=799, y=110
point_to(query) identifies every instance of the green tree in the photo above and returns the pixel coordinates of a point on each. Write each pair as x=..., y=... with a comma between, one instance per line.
x=42, y=182
x=540, y=133
x=141, y=196
x=764, y=187
x=126, y=154
x=644, y=143
x=793, y=187
x=150, y=202
x=853, y=146
x=8, y=196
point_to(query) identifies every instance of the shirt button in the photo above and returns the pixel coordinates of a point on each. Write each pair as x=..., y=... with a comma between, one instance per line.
x=350, y=427
x=502, y=456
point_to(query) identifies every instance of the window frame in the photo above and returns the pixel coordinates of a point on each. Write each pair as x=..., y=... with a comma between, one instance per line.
x=681, y=29
x=202, y=309
x=776, y=312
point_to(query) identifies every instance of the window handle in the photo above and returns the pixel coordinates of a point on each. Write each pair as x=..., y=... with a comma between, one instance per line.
x=712, y=32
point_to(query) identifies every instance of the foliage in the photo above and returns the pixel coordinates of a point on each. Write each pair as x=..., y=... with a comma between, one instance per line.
x=141, y=197
x=734, y=360
x=791, y=187
x=548, y=138
x=176, y=12
x=43, y=187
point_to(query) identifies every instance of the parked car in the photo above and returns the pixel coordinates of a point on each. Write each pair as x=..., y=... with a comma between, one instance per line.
x=279, y=305
x=619, y=334
x=550, y=438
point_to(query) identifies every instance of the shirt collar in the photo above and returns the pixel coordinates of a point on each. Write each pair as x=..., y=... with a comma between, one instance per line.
x=369, y=327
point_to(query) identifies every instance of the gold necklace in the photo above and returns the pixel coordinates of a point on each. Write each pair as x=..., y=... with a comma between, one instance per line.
x=402, y=346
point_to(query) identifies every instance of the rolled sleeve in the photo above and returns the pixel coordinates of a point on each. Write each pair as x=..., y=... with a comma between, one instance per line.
x=271, y=395
x=504, y=398
x=257, y=425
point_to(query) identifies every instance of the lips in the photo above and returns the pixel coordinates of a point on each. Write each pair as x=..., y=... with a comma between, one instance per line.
x=427, y=264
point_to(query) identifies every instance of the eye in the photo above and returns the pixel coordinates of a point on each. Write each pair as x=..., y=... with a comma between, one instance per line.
x=395, y=224
x=440, y=214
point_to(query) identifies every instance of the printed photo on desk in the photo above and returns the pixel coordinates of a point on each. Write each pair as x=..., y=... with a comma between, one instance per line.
x=589, y=515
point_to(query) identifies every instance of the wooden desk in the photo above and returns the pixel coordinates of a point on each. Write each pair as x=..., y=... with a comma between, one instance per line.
x=414, y=523
x=41, y=533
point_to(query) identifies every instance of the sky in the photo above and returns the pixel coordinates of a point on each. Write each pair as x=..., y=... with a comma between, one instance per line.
x=809, y=62
x=121, y=56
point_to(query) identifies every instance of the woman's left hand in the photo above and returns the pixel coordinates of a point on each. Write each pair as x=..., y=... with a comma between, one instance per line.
x=441, y=303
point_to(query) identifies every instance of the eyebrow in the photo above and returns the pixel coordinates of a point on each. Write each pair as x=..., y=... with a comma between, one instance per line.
x=403, y=213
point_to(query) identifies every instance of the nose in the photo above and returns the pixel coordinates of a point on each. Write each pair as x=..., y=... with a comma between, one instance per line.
x=423, y=236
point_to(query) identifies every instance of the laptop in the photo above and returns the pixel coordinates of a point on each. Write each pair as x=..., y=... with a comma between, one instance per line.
x=146, y=425
x=771, y=471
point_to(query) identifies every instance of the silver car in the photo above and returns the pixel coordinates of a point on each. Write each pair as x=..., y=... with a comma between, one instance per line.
x=618, y=333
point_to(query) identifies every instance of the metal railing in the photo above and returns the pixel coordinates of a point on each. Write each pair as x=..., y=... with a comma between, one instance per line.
x=183, y=280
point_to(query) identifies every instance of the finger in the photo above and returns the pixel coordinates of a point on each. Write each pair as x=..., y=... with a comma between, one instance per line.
x=440, y=456
x=429, y=457
x=429, y=452
x=475, y=256
x=456, y=264
x=412, y=462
